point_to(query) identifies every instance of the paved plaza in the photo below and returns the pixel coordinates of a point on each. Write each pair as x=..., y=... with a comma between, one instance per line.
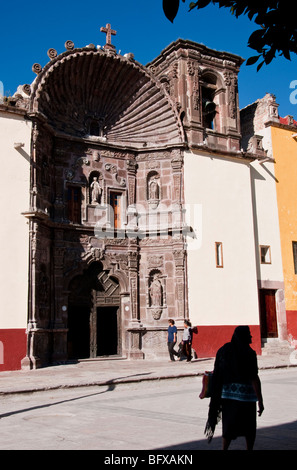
x=156, y=408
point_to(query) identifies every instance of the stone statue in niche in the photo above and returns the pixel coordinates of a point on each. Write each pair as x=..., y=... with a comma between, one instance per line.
x=154, y=191
x=96, y=191
x=156, y=298
x=155, y=291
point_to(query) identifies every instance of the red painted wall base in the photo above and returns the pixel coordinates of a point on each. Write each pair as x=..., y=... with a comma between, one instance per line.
x=292, y=325
x=206, y=341
x=12, y=348
x=209, y=339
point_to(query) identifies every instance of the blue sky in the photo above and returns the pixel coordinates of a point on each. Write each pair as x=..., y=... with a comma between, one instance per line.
x=29, y=30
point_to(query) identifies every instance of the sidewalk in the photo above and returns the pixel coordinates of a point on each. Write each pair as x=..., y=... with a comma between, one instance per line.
x=117, y=371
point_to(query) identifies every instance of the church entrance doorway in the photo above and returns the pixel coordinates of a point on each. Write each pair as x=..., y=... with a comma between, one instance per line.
x=107, y=331
x=78, y=332
x=94, y=315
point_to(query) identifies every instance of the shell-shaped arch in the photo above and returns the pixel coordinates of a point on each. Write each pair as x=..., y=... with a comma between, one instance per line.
x=86, y=86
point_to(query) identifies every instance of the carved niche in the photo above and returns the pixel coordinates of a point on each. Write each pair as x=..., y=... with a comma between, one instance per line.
x=156, y=287
x=95, y=187
x=153, y=189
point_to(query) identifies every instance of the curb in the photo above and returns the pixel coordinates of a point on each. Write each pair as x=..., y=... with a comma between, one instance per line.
x=112, y=382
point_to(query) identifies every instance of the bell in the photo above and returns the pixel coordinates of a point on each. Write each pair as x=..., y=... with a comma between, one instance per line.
x=209, y=107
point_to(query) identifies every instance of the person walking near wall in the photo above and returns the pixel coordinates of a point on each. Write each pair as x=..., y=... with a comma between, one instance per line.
x=187, y=341
x=236, y=388
x=172, y=338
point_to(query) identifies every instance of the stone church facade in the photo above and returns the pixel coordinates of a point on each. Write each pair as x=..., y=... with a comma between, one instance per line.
x=110, y=145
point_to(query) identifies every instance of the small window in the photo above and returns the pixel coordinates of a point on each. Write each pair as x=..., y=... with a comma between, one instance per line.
x=265, y=254
x=94, y=128
x=115, y=204
x=74, y=204
x=295, y=256
x=208, y=108
x=219, y=254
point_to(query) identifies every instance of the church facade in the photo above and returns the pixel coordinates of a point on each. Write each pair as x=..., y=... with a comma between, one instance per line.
x=134, y=203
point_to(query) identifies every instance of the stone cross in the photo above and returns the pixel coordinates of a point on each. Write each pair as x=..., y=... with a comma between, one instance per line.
x=108, y=32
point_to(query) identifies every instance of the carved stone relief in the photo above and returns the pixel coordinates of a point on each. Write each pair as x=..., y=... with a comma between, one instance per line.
x=231, y=83
x=156, y=293
x=114, y=171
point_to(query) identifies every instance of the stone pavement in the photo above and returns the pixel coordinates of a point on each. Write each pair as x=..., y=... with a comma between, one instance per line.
x=117, y=370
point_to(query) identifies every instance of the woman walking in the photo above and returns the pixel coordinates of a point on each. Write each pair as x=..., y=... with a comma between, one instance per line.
x=236, y=388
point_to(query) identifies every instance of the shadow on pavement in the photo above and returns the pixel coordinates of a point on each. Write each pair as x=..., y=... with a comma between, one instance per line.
x=281, y=437
x=110, y=388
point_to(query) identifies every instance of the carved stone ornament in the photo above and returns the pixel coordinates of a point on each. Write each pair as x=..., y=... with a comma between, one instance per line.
x=69, y=174
x=155, y=261
x=69, y=45
x=36, y=68
x=156, y=313
x=114, y=171
x=52, y=53
x=231, y=83
x=27, y=89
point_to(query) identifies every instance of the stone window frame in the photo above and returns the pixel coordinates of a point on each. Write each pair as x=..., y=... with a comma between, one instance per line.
x=219, y=254
x=123, y=210
x=265, y=254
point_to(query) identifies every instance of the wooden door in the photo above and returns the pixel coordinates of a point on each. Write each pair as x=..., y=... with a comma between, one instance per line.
x=115, y=202
x=74, y=204
x=268, y=318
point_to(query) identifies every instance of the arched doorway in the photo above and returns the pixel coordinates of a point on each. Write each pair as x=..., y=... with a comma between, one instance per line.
x=94, y=315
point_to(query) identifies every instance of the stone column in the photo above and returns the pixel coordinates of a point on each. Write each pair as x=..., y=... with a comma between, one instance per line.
x=135, y=330
x=32, y=359
x=59, y=332
x=180, y=280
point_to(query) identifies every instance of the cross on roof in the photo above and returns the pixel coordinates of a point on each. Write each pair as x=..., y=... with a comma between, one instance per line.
x=108, y=32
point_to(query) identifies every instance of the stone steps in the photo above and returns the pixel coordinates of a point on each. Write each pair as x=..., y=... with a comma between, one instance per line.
x=273, y=346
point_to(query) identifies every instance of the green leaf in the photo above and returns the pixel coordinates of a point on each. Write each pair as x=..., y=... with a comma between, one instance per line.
x=170, y=8
x=252, y=60
x=260, y=65
x=269, y=55
x=256, y=38
x=203, y=3
x=192, y=5
x=286, y=54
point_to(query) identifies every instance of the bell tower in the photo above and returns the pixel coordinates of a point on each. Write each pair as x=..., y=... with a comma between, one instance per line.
x=203, y=84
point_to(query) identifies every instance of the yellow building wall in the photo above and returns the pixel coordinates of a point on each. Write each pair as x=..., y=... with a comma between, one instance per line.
x=284, y=148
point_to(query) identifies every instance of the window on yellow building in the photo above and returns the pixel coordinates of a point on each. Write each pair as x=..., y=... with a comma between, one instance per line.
x=295, y=256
